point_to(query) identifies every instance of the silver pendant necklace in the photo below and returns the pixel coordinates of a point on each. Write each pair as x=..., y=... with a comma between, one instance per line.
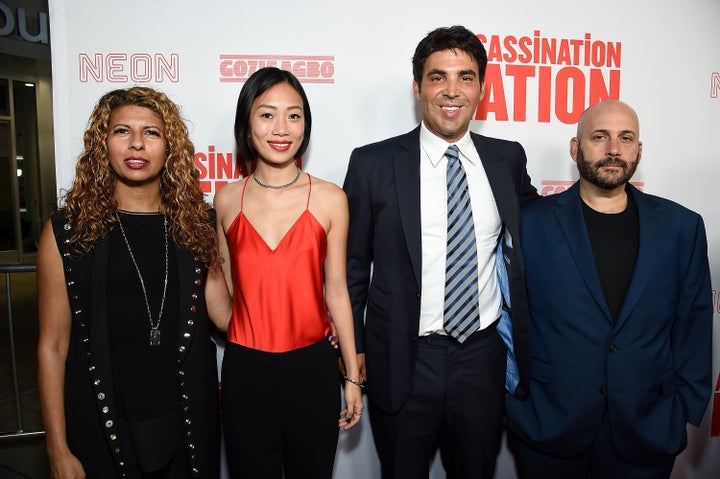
x=276, y=187
x=154, y=327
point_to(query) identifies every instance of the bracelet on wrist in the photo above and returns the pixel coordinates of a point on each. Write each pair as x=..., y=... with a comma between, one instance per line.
x=354, y=381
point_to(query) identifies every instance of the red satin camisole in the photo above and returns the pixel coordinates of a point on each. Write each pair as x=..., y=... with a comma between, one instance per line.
x=278, y=301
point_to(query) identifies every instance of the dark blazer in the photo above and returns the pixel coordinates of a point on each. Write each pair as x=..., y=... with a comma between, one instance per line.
x=384, y=254
x=93, y=428
x=651, y=369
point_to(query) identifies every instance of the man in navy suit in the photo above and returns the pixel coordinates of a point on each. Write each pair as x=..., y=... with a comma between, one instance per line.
x=427, y=389
x=618, y=285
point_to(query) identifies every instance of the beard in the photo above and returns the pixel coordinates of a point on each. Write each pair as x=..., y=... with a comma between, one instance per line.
x=590, y=172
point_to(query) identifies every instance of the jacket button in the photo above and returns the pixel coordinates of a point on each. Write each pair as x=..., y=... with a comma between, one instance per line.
x=604, y=390
x=613, y=348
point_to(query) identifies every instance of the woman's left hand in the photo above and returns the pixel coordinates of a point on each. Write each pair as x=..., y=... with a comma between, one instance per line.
x=353, y=412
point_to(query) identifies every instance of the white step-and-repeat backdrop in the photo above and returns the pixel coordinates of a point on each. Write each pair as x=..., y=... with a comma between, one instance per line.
x=549, y=60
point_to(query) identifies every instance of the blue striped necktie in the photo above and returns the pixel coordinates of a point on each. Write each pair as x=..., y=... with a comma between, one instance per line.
x=461, y=276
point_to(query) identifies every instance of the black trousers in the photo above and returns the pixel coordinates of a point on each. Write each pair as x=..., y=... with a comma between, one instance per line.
x=600, y=461
x=280, y=411
x=456, y=404
x=104, y=468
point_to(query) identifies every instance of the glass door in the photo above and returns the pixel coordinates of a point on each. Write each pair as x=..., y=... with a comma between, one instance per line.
x=20, y=208
x=27, y=165
x=8, y=226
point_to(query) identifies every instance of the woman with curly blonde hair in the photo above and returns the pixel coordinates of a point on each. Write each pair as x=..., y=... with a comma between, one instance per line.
x=128, y=278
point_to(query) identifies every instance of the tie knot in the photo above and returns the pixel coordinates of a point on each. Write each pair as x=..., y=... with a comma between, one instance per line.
x=452, y=152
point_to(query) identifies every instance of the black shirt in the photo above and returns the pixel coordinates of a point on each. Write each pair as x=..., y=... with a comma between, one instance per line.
x=614, y=239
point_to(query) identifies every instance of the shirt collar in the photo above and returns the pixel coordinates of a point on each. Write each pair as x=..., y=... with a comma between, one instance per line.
x=435, y=147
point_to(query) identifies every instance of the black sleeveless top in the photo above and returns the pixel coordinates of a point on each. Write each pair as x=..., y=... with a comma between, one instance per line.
x=146, y=383
x=145, y=376
x=115, y=382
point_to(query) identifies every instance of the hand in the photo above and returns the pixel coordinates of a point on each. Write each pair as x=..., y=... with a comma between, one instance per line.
x=333, y=337
x=66, y=467
x=361, y=367
x=353, y=412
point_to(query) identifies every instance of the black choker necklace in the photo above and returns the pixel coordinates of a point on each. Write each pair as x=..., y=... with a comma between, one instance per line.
x=139, y=213
x=276, y=187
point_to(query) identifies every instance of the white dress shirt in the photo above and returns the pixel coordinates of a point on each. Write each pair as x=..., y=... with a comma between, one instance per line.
x=433, y=222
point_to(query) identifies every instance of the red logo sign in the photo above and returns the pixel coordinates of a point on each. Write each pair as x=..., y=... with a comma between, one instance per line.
x=547, y=78
x=715, y=424
x=218, y=168
x=308, y=69
x=551, y=187
x=128, y=67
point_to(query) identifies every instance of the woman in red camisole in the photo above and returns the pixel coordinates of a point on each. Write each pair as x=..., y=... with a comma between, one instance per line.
x=283, y=235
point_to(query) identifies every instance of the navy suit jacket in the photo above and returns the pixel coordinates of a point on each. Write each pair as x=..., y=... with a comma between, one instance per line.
x=651, y=369
x=384, y=254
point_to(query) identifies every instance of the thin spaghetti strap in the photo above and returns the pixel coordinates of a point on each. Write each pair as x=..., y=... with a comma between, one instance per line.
x=309, y=190
x=242, y=197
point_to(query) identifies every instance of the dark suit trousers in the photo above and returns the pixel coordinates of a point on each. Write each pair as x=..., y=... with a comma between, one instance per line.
x=456, y=403
x=600, y=461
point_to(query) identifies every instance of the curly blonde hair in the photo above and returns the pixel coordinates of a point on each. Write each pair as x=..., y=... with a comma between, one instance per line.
x=89, y=203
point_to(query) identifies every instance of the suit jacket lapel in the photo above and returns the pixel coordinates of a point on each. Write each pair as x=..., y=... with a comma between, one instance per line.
x=406, y=164
x=568, y=213
x=650, y=232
